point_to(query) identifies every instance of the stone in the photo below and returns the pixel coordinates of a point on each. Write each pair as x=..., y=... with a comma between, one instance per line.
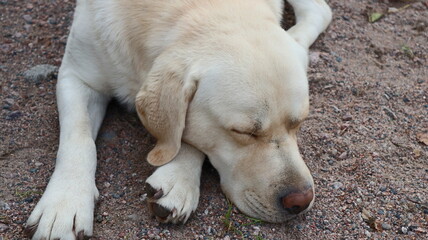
x=109, y=135
x=367, y=233
x=314, y=57
x=3, y=227
x=4, y=205
x=134, y=217
x=40, y=72
x=27, y=27
x=14, y=115
x=386, y=226
x=343, y=155
x=27, y=18
x=347, y=117
x=52, y=21
x=390, y=113
x=337, y=185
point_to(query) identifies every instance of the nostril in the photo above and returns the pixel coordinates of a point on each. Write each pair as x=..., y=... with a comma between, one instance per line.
x=297, y=201
x=294, y=209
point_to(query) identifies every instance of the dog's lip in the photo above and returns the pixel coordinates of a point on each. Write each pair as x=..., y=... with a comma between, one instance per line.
x=257, y=210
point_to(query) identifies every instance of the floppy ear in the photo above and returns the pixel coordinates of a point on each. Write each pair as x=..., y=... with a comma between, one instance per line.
x=161, y=105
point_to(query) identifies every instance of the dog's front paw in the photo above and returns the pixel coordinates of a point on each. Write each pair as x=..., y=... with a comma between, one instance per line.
x=172, y=194
x=64, y=212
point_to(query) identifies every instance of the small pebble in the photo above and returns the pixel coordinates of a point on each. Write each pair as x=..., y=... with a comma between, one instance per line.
x=347, y=117
x=14, y=115
x=143, y=197
x=392, y=10
x=134, y=217
x=336, y=109
x=109, y=135
x=99, y=218
x=368, y=234
x=27, y=18
x=386, y=226
x=4, y=205
x=5, y=48
x=314, y=57
x=343, y=155
x=117, y=195
x=3, y=227
x=52, y=21
x=40, y=72
x=390, y=113
x=27, y=27
x=412, y=228
x=337, y=185
x=404, y=230
x=17, y=35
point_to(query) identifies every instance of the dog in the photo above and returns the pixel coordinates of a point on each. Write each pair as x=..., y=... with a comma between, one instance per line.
x=211, y=78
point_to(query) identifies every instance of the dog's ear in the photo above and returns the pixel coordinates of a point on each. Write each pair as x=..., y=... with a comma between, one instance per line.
x=161, y=105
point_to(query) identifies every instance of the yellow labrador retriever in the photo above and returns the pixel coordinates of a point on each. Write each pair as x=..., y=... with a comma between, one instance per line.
x=219, y=78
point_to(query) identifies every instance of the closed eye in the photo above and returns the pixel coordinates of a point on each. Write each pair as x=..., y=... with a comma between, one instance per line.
x=251, y=134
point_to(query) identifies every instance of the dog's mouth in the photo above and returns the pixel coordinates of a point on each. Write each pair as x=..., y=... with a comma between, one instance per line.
x=266, y=212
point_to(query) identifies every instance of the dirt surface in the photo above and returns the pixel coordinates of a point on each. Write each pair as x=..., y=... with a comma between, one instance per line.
x=365, y=140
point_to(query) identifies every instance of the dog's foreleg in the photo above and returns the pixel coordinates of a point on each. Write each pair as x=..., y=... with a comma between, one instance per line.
x=173, y=189
x=65, y=210
x=312, y=18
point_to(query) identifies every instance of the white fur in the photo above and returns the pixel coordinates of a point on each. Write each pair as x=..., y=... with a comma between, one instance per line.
x=180, y=187
x=235, y=64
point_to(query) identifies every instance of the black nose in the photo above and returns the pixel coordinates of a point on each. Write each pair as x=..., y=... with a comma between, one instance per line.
x=297, y=201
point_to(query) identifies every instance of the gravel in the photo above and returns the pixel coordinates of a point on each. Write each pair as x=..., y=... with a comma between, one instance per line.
x=363, y=140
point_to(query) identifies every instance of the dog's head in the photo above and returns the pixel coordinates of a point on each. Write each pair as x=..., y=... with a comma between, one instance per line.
x=242, y=105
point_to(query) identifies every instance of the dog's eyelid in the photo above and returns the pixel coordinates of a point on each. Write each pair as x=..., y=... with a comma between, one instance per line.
x=244, y=132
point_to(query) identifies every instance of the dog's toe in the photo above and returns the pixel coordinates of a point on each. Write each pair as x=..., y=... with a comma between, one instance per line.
x=171, y=198
x=152, y=193
x=161, y=213
x=30, y=230
x=64, y=212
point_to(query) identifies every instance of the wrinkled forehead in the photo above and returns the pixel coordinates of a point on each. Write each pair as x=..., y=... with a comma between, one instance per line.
x=260, y=101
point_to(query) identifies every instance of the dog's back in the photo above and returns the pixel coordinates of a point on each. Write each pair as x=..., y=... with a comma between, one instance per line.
x=114, y=43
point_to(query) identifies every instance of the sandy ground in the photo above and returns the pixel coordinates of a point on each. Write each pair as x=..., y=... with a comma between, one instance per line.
x=364, y=139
